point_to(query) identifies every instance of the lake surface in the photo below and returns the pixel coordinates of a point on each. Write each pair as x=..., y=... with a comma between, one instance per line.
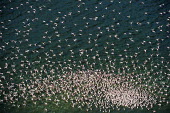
x=42, y=38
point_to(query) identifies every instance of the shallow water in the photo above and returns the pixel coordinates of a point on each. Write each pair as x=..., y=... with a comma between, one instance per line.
x=55, y=37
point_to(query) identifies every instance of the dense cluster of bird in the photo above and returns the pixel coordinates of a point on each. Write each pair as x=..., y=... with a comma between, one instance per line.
x=88, y=53
x=83, y=89
x=92, y=88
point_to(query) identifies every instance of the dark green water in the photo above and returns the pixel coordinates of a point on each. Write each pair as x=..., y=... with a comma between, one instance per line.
x=120, y=37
